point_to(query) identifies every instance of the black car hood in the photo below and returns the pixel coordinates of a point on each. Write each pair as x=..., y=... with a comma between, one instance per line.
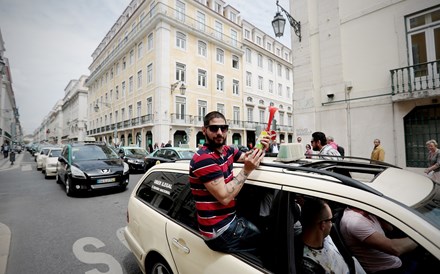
x=114, y=165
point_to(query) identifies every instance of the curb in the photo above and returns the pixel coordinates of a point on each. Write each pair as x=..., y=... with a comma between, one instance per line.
x=5, y=241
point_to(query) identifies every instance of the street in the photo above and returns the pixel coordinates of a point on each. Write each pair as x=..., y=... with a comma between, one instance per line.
x=53, y=233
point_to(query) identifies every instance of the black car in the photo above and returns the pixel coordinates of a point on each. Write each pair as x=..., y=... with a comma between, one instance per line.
x=168, y=154
x=89, y=166
x=134, y=157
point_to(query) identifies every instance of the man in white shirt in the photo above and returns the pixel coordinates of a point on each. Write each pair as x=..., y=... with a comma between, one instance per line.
x=326, y=151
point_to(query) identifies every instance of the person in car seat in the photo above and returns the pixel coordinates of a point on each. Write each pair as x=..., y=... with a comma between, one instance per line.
x=320, y=254
x=365, y=236
x=214, y=188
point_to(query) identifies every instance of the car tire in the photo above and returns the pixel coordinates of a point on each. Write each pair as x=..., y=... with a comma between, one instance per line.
x=159, y=266
x=69, y=188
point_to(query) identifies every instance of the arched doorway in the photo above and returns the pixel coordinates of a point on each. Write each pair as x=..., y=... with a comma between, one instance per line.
x=138, y=139
x=179, y=138
x=122, y=142
x=149, y=141
x=236, y=139
x=129, y=139
x=200, y=138
x=290, y=138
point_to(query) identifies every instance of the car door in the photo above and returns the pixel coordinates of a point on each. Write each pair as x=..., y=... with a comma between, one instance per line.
x=63, y=163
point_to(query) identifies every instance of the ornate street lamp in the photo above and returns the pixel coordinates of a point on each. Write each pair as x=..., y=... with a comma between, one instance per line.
x=182, y=87
x=278, y=23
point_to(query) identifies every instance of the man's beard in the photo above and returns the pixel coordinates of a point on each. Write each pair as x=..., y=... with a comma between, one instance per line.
x=315, y=148
x=216, y=142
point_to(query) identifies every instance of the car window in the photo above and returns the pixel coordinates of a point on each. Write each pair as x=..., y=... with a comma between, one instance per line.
x=187, y=154
x=430, y=207
x=132, y=151
x=162, y=190
x=92, y=152
x=55, y=153
x=161, y=153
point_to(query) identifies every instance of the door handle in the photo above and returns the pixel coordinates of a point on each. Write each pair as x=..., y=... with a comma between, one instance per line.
x=177, y=244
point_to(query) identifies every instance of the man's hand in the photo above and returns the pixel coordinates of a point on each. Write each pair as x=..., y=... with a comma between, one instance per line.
x=265, y=141
x=252, y=160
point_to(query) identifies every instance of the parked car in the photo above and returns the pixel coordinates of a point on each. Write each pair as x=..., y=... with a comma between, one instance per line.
x=41, y=155
x=89, y=166
x=162, y=230
x=168, y=154
x=134, y=157
x=50, y=162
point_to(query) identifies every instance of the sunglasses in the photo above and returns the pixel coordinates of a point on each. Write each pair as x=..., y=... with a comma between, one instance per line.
x=215, y=128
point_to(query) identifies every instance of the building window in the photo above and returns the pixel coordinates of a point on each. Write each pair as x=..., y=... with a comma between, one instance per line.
x=117, y=92
x=261, y=115
x=270, y=86
x=220, y=83
x=260, y=60
x=289, y=120
x=269, y=46
x=180, y=10
x=423, y=34
x=248, y=79
x=218, y=30
x=420, y=125
x=139, y=109
x=236, y=115
x=150, y=73
x=260, y=82
x=124, y=63
x=123, y=89
x=279, y=68
x=248, y=55
x=139, y=79
x=281, y=119
x=180, y=72
x=250, y=114
x=270, y=65
x=234, y=37
x=140, y=51
x=201, y=21
x=202, y=109
x=201, y=78
x=280, y=90
x=220, y=56
x=130, y=111
x=180, y=40
x=180, y=107
x=235, y=87
x=218, y=8
x=150, y=106
x=235, y=61
x=221, y=108
x=287, y=74
x=130, y=84
x=150, y=41
x=247, y=34
x=278, y=52
x=233, y=17
x=288, y=92
x=259, y=40
x=202, y=48
x=131, y=57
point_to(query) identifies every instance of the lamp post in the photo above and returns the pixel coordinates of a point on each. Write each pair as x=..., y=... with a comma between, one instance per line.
x=278, y=23
x=182, y=87
x=115, y=132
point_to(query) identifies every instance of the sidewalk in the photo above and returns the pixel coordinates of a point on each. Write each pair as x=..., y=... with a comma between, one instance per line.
x=5, y=164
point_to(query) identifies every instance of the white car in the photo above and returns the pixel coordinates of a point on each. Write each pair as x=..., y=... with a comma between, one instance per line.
x=40, y=156
x=162, y=230
x=50, y=162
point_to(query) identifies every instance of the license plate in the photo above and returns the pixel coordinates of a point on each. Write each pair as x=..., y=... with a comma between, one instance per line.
x=107, y=180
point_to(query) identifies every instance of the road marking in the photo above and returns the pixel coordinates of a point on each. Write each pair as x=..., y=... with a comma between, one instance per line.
x=121, y=237
x=26, y=168
x=95, y=257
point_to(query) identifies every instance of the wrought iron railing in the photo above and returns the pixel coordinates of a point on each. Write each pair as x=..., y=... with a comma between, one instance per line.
x=423, y=76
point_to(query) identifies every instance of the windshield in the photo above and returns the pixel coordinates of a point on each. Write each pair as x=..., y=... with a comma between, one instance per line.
x=132, y=151
x=55, y=153
x=430, y=207
x=187, y=154
x=93, y=152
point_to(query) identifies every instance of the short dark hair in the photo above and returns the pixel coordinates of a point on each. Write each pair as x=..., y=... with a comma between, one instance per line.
x=319, y=136
x=312, y=211
x=212, y=115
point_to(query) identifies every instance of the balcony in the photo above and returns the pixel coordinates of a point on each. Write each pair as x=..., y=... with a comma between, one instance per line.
x=416, y=82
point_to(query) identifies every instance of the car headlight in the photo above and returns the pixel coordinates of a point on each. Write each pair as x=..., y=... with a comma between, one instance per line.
x=126, y=168
x=77, y=173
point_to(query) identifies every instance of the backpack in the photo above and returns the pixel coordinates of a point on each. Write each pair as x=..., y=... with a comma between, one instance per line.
x=341, y=150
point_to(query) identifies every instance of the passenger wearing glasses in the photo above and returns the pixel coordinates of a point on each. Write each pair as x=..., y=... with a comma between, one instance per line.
x=214, y=188
x=320, y=254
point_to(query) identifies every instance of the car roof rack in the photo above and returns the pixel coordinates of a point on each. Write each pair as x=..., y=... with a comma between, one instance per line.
x=342, y=178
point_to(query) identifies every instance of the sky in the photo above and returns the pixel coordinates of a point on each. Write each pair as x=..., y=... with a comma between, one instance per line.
x=50, y=42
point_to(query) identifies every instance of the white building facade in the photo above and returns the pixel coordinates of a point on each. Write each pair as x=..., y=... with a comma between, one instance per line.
x=369, y=69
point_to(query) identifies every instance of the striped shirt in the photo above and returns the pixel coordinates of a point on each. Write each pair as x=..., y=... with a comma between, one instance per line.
x=207, y=165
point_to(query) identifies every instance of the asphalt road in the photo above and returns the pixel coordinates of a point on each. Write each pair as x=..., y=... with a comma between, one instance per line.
x=53, y=233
